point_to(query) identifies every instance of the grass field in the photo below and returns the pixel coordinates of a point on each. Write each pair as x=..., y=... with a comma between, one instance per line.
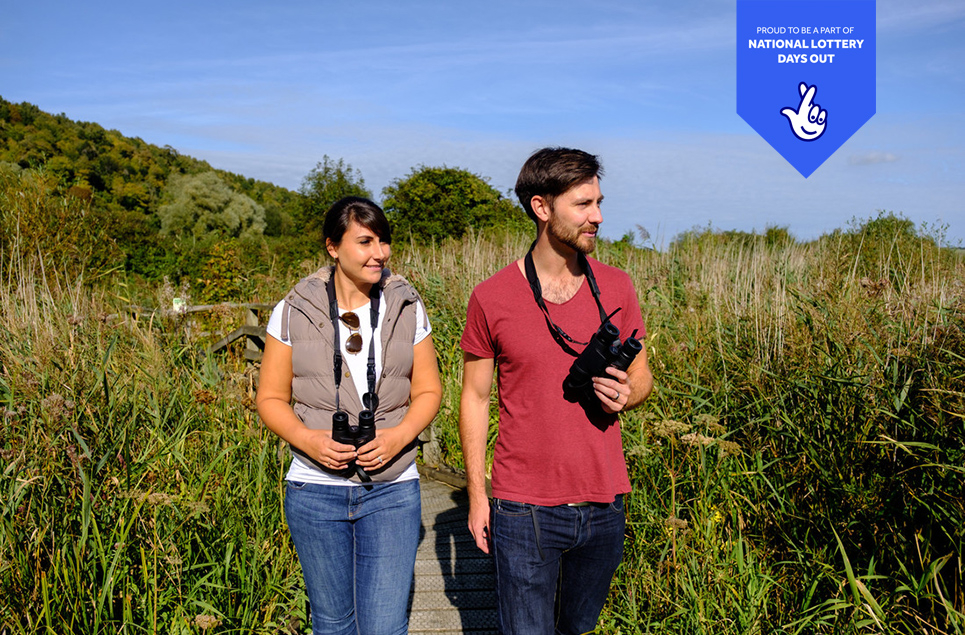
x=798, y=469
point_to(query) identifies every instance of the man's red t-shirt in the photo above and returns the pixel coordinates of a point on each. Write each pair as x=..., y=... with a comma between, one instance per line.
x=548, y=451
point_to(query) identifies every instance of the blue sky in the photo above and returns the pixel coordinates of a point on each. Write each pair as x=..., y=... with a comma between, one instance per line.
x=266, y=89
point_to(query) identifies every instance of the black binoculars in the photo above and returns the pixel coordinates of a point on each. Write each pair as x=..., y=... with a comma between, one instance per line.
x=604, y=350
x=343, y=432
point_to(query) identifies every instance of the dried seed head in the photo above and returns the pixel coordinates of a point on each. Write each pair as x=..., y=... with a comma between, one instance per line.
x=695, y=438
x=729, y=448
x=676, y=523
x=204, y=622
x=669, y=428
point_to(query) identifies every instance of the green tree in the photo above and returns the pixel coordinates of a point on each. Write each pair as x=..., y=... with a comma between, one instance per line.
x=63, y=231
x=435, y=203
x=203, y=205
x=328, y=182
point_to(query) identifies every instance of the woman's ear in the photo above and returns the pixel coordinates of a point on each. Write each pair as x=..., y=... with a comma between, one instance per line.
x=331, y=248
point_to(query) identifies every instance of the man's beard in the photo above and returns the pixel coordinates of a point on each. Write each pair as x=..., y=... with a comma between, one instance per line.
x=572, y=237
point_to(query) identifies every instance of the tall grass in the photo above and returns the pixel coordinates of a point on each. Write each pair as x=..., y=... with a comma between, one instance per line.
x=799, y=467
x=139, y=492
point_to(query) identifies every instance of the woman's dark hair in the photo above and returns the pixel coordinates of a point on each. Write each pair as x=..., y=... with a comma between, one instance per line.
x=552, y=171
x=358, y=209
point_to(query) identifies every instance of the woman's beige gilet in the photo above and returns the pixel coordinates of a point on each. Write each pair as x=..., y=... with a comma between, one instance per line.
x=309, y=329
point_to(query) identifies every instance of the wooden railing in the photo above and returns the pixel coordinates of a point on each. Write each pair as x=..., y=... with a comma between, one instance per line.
x=253, y=330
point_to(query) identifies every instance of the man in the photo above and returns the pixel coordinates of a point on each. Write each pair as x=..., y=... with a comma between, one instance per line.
x=556, y=524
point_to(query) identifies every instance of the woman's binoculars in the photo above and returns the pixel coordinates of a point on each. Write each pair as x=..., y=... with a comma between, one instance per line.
x=343, y=432
x=604, y=350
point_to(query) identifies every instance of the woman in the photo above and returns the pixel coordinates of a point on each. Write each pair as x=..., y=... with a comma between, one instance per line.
x=354, y=512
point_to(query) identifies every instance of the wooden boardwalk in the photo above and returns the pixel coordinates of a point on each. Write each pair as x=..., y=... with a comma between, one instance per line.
x=454, y=590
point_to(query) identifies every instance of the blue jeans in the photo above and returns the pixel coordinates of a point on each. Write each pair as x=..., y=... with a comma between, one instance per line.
x=357, y=548
x=554, y=564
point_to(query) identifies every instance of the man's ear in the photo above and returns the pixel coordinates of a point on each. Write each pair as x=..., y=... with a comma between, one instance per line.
x=541, y=208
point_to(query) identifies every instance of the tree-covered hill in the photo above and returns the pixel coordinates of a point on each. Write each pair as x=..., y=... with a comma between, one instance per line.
x=121, y=172
x=121, y=182
x=87, y=199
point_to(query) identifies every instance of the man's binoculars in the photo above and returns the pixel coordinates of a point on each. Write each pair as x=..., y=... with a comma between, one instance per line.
x=604, y=350
x=343, y=432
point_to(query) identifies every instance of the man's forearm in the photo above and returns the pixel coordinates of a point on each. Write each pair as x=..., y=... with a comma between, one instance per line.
x=641, y=385
x=473, y=432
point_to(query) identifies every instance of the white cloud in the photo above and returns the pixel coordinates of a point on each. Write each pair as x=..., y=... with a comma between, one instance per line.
x=870, y=158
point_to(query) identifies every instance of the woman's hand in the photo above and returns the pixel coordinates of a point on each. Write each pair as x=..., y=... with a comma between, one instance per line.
x=320, y=447
x=425, y=394
x=383, y=448
x=274, y=406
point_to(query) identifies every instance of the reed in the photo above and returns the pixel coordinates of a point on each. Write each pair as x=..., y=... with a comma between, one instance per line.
x=799, y=467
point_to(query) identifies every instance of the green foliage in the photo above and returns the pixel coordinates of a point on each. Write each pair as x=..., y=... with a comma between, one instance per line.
x=431, y=204
x=137, y=494
x=709, y=237
x=794, y=402
x=328, y=182
x=889, y=243
x=798, y=469
x=203, y=206
x=775, y=236
x=122, y=179
x=222, y=275
x=38, y=222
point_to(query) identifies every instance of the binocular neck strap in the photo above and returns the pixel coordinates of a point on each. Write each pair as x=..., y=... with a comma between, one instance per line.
x=375, y=294
x=559, y=334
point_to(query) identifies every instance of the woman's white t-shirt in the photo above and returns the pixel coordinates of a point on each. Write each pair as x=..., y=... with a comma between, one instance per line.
x=357, y=366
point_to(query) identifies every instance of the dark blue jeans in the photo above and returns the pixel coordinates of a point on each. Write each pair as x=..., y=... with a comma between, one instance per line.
x=554, y=564
x=357, y=548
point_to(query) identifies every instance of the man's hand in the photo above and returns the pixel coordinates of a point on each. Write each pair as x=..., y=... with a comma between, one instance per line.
x=479, y=522
x=613, y=393
x=623, y=391
x=477, y=381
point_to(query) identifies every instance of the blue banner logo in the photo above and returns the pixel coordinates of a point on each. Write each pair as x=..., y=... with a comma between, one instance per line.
x=806, y=74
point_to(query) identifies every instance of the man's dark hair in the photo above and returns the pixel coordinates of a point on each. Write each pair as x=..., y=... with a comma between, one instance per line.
x=358, y=209
x=551, y=171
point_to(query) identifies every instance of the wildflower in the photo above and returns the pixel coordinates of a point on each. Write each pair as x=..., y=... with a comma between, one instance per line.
x=158, y=498
x=669, y=427
x=717, y=517
x=695, y=438
x=72, y=454
x=711, y=423
x=640, y=450
x=197, y=507
x=728, y=448
x=58, y=408
x=672, y=522
x=204, y=622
